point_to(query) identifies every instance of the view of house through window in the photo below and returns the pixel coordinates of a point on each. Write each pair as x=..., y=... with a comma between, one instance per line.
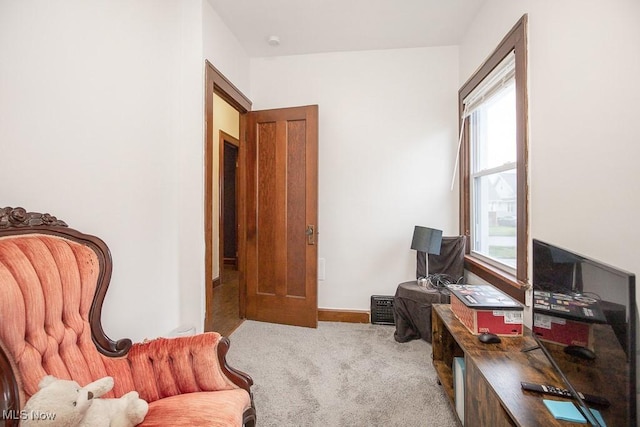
x=491, y=109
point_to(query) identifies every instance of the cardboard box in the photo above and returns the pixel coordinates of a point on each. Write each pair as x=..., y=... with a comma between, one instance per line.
x=563, y=331
x=484, y=308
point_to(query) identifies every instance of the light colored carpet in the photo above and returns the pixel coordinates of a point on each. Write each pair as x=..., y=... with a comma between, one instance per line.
x=341, y=374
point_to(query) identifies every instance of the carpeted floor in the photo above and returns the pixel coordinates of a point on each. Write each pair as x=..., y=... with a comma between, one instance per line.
x=341, y=374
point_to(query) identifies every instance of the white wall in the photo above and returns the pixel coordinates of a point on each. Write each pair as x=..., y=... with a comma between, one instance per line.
x=583, y=92
x=386, y=152
x=101, y=124
x=223, y=50
x=189, y=143
x=89, y=124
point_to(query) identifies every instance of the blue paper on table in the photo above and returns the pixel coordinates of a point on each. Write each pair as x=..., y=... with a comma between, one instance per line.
x=567, y=411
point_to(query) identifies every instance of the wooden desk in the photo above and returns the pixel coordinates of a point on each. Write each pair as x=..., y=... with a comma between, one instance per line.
x=493, y=395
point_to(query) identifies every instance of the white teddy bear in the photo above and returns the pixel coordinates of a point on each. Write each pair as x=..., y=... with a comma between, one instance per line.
x=63, y=403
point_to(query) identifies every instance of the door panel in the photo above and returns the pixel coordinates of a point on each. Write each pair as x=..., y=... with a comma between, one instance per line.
x=282, y=147
x=296, y=220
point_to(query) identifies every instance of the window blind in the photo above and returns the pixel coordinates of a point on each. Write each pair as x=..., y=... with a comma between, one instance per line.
x=501, y=77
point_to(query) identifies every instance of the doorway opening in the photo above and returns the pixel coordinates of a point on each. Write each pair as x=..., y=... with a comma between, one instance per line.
x=227, y=98
x=226, y=292
x=229, y=201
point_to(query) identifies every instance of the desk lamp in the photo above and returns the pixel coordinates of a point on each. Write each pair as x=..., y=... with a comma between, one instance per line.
x=427, y=240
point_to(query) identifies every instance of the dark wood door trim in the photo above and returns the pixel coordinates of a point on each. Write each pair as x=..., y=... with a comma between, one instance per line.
x=216, y=82
x=339, y=315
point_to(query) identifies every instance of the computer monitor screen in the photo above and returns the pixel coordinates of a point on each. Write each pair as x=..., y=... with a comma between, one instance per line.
x=585, y=315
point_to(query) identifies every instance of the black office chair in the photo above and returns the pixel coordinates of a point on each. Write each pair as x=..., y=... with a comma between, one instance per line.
x=450, y=261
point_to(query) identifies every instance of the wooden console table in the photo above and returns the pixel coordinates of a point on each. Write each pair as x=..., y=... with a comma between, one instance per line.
x=493, y=395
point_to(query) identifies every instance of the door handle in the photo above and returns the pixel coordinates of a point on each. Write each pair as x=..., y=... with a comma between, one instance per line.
x=311, y=234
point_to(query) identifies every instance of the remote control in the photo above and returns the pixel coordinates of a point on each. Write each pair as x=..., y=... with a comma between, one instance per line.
x=563, y=392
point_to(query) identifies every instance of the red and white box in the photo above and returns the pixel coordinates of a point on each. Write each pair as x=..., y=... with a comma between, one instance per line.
x=483, y=308
x=563, y=331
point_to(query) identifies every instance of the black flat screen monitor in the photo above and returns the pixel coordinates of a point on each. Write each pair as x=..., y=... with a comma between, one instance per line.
x=585, y=316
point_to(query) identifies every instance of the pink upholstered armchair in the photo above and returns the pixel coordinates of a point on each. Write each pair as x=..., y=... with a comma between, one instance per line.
x=53, y=281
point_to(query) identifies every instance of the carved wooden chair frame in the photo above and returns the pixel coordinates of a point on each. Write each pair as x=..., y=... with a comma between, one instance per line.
x=16, y=221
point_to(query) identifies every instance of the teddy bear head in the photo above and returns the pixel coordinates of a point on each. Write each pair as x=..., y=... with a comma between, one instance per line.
x=65, y=402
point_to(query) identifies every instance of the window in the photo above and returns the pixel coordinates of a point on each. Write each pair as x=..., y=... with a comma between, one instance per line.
x=493, y=108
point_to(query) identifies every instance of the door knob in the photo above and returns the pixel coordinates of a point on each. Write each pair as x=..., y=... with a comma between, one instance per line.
x=311, y=234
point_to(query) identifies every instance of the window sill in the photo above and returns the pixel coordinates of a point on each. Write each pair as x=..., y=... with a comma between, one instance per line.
x=504, y=281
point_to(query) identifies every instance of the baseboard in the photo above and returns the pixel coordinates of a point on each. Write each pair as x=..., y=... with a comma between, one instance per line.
x=217, y=282
x=348, y=316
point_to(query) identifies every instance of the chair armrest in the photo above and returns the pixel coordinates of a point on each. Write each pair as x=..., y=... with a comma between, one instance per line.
x=238, y=377
x=170, y=366
x=10, y=390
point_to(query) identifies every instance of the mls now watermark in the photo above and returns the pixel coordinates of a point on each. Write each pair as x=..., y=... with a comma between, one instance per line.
x=12, y=414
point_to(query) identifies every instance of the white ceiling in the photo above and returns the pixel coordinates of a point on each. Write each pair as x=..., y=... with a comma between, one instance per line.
x=313, y=26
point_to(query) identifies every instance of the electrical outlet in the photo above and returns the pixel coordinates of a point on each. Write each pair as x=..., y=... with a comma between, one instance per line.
x=321, y=266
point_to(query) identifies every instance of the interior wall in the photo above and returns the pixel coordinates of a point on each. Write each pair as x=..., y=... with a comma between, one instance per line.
x=583, y=87
x=190, y=184
x=226, y=119
x=223, y=50
x=101, y=124
x=387, y=139
x=90, y=120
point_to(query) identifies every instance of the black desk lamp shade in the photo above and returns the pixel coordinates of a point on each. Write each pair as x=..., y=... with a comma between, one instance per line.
x=427, y=240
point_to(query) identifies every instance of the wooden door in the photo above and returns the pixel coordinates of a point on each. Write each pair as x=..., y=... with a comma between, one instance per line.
x=282, y=218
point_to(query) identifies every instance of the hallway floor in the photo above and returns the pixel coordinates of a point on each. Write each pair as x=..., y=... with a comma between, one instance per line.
x=226, y=312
